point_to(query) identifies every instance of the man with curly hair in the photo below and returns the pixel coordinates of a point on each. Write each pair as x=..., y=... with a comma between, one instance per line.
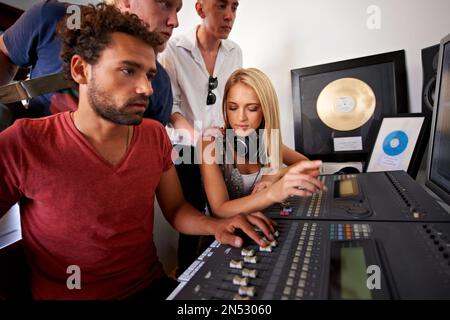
x=86, y=180
x=32, y=42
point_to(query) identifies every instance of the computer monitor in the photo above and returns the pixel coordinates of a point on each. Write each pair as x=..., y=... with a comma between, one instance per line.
x=438, y=170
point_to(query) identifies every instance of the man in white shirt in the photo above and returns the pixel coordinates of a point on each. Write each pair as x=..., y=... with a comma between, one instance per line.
x=199, y=64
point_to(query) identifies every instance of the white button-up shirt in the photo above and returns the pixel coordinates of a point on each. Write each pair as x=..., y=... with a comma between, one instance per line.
x=189, y=77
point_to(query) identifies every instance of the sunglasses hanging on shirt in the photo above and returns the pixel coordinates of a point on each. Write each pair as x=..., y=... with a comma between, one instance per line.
x=212, y=84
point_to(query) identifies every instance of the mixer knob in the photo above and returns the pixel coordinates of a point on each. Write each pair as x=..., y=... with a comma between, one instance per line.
x=249, y=273
x=252, y=259
x=247, y=252
x=240, y=281
x=247, y=291
x=236, y=264
x=265, y=249
x=276, y=234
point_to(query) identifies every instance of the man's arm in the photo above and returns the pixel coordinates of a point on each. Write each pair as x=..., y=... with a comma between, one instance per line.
x=7, y=68
x=184, y=218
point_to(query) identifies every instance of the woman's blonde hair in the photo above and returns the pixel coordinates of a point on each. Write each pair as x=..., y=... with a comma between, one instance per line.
x=268, y=100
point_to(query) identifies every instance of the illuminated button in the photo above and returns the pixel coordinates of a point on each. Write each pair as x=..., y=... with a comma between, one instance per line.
x=250, y=259
x=287, y=291
x=273, y=244
x=309, y=248
x=238, y=297
x=303, y=274
x=240, y=281
x=247, y=252
x=291, y=274
x=305, y=267
x=294, y=266
x=208, y=275
x=290, y=282
x=250, y=273
x=299, y=293
x=295, y=259
x=236, y=264
x=301, y=283
x=247, y=291
x=265, y=249
x=416, y=215
x=297, y=253
x=284, y=298
x=197, y=288
x=306, y=261
x=308, y=254
x=310, y=242
x=276, y=234
x=301, y=243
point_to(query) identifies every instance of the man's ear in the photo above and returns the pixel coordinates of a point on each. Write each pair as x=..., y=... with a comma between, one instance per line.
x=79, y=69
x=199, y=9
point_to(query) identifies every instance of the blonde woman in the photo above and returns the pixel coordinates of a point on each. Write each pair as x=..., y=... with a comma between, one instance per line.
x=250, y=109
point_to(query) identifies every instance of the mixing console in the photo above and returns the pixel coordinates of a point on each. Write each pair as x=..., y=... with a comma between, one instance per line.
x=327, y=260
x=377, y=196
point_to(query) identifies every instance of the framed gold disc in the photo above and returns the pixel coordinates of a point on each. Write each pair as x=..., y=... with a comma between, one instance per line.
x=346, y=104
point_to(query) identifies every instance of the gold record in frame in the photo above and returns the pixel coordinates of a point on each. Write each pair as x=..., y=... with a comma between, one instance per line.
x=346, y=104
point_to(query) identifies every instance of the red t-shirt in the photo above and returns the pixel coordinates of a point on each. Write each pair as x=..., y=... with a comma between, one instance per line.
x=78, y=209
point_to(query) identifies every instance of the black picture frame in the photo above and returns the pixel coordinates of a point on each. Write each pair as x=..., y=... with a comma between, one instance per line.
x=419, y=147
x=396, y=61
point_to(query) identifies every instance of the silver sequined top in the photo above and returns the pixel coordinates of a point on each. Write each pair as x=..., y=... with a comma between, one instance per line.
x=238, y=184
